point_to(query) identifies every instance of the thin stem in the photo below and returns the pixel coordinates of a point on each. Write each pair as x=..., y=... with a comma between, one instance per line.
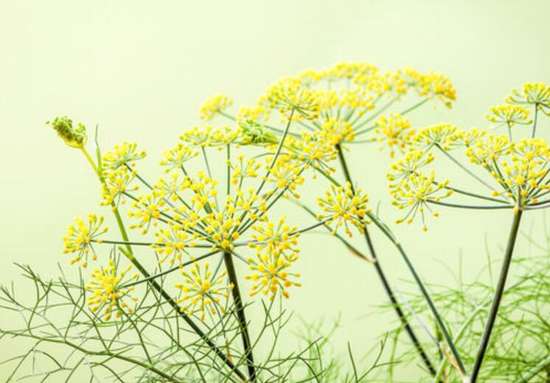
x=170, y=270
x=277, y=153
x=534, y=129
x=474, y=195
x=475, y=207
x=498, y=294
x=232, y=274
x=468, y=171
x=381, y=274
x=130, y=255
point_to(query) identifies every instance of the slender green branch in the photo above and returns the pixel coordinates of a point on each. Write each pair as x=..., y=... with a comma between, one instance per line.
x=170, y=270
x=478, y=207
x=486, y=337
x=534, y=129
x=381, y=274
x=237, y=299
x=468, y=171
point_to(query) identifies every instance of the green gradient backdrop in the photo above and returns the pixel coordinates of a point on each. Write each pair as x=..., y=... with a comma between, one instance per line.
x=141, y=69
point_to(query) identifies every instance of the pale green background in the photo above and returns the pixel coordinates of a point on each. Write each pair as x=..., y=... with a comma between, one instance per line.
x=141, y=69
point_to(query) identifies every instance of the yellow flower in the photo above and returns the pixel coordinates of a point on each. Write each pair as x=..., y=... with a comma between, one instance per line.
x=289, y=95
x=171, y=243
x=170, y=187
x=252, y=114
x=125, y=154
x=469, y=137
x=312, y=148
x=176, y=157
x=431, y=85
x=80, y=237
x=286, y=175
x=415, y=192
x=147, y=210
x=116, y=184
x=344, y=206
x=335, y=131
x=209, y=136
x=202, y=292
x=277, y=239
x=532, y=93
x=411, y=163
x=222, y=229
x=509, y=114
x=214, y=105
x=243, y=168
x=73, y=136
x=107, y=293
x=395, y=131
x=442, y=135
x=269, y=275
x=520, y=168
x=488, y=148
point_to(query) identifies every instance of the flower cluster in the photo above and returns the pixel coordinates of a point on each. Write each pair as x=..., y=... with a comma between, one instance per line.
x=516, y=171
x=344, y=206
x=108, y=294
x=202, y=291
x=81, y=236
x=394, y=131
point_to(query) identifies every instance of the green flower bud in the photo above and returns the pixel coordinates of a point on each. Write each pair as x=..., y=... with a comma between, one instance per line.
x=75, y=137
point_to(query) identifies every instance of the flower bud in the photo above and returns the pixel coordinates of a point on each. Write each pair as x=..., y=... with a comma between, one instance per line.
x=75, y=137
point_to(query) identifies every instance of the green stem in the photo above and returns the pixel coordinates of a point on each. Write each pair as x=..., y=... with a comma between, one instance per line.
x=130, y=255
x=534, y=130
x=382, y=276
x=237, y=299
x=468, y=171
x=498, y=294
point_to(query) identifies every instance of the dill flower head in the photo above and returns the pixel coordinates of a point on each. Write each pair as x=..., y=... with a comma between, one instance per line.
x=288, y=95
x=520, y=168
x=147, y=210
x=344, y=206
x=532, y=93
x=286, y=175
x=270, y=276
x=73, y=136
x=441, y=135
x=469, y=137
x=430, y=85
x=172, y=243
x=395, y=131
x=125, y=154
x=214, y=105
x=80, y=238
x=488, y=148
x=221, y=228
x=312, y=148
x=509, y=114
x=243, y=168
x=176, y=157
x=275, y=238
x=209, y=136
x=410, y=163
x=107, y=292
x=116, y=184
x=203, y=292
x=335, y=131
x=415, y=192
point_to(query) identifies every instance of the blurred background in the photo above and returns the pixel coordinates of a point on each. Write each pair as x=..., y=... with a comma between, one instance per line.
x=141, y=70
